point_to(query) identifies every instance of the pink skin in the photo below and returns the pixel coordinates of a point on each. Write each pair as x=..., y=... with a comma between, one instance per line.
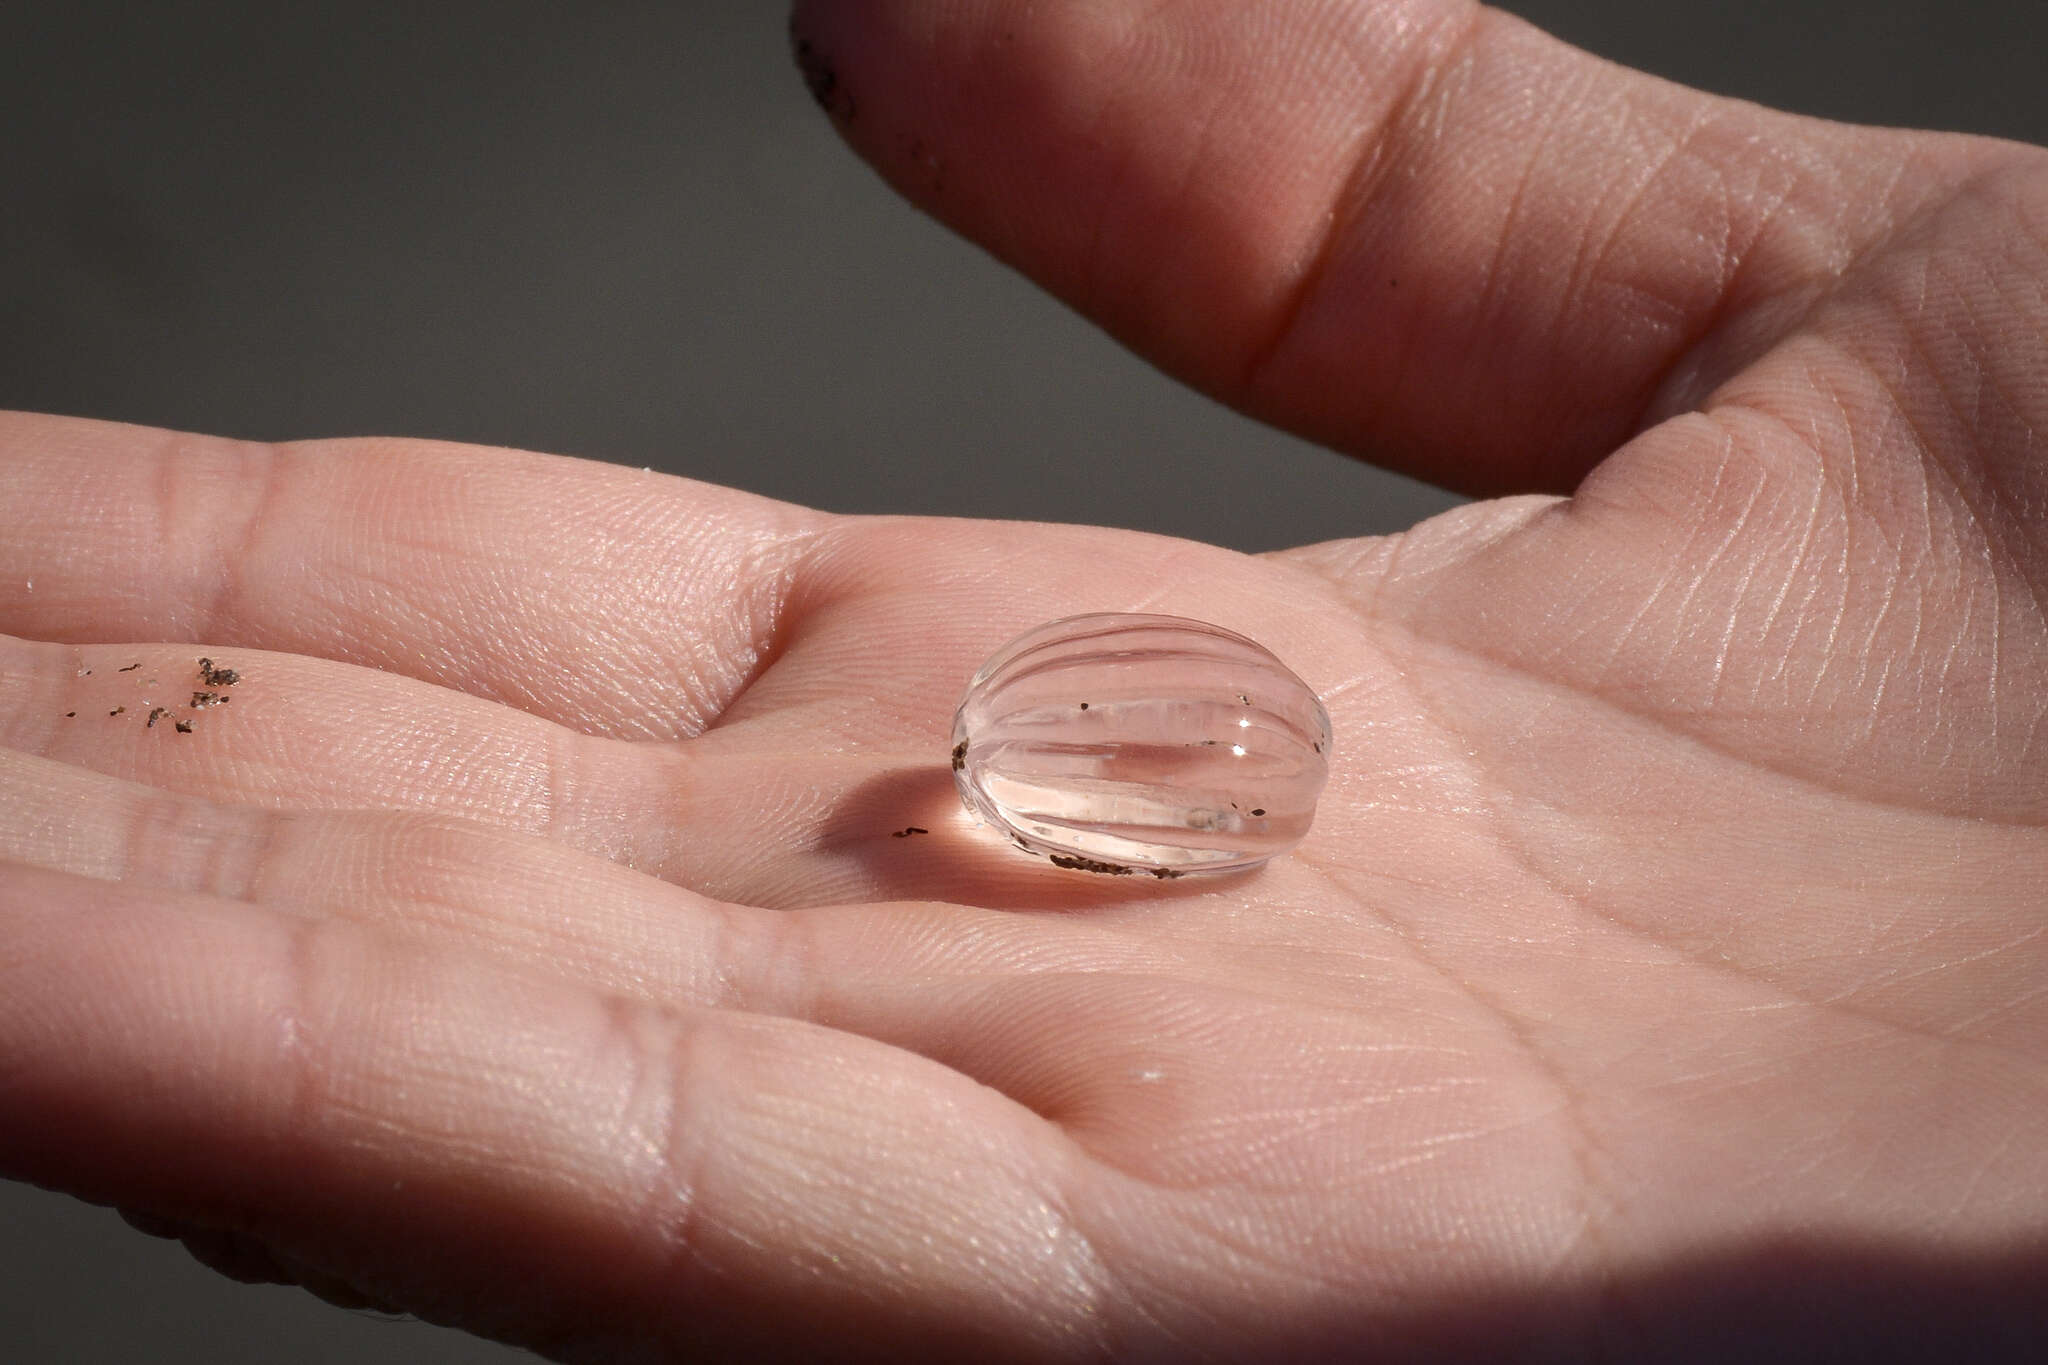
x=526, y=945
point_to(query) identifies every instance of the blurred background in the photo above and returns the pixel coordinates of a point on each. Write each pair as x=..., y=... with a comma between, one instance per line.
x=620, y=230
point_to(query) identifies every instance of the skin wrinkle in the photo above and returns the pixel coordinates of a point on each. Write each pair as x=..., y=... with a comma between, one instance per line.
x=1511, y=231
x=1961, y=1214
x=238, y=867
x=1171, y=558
x=2022, y=508
x=1850, y=524
x=1888, y=976
x=1590, y=254
x=1589, y=261
x=1345, y=585
x=1251, y=1250
x=1103, y=270
x=1800, y=617
x=1372, y=155
x=1568, y=639
x=304, y=1053
x=1998, y=496
x=1690, y=363
x=1247, y=1131
x=1718, y=673
x=1093, y=258
x=1525, y=858
x=1050, y=1175
x=169, y=467
x=1582, y=1145
x=232, y=860
x=1875, y=671
x=1079, y=1106
x=220, y=616
x=1992, y=708
x=1809, y=533
x=1590, y=1229
x=1723, y=249
x=1657, y=719
x=1774, y=613
x=1832, y=620
x=709, y=686
x=1869, y=1170
x=1724, y=1076
x=1711, y=324
x=1078, y=1256
x=1992, y=1012
x=773, y=632
x=558, y=748
x=1952, y=659
x=790, y=965
x=586, y=777
x=1981, y=519
x=1063, y=1194
x=808, y=587
x=1655, y=591
x=1878, y=693
x=668, y=1207
x=1976, y=189
x=761, y=561
x=1738, y=524
x=1196, y=1340
x=1843, y=475
x=1896, y=412
x=1338, y=692
x=253, y=841
x=150, y=811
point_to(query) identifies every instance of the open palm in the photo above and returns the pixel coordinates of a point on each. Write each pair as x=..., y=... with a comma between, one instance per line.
x=538, y=937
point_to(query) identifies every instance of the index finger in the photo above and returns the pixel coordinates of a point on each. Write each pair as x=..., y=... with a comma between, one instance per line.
x=618, y=601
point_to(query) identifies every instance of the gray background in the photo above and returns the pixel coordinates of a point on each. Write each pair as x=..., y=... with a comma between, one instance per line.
x=620, y=230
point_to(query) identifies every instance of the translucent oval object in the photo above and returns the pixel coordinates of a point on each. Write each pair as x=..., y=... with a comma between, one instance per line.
x=1141, y=744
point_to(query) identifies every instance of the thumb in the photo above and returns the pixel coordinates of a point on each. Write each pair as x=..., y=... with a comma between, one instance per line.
x=1420, y=231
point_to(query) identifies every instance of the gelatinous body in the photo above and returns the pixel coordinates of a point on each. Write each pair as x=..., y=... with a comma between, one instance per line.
x=1142, y=744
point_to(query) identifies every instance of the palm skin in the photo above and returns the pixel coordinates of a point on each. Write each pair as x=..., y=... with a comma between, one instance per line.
x=529, y=945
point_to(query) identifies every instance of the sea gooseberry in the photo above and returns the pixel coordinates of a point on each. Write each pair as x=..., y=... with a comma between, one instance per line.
x=1132, y=744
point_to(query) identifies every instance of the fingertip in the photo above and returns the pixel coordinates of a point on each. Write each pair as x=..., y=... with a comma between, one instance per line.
x=1127, y=160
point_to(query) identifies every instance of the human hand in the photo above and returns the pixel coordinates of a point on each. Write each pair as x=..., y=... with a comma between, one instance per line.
x=527, y=944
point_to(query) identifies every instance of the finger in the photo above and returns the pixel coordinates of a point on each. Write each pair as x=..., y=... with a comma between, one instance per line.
x=434, y=1132
x=623, y=602
x=1050, y=1010
x=532, y=903
x=300, y=734
x=283, y=731
x=413, y=1129
x=541, y=906
x=769, y=813
x=1835, y=572
x=828, y=784
x=1417, y=230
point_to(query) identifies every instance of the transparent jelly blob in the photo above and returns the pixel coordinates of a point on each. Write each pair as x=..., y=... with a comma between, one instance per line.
x=1141, y=744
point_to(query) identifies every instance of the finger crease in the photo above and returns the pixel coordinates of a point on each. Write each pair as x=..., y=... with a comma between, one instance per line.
x=1375, y=157
x=262, y=464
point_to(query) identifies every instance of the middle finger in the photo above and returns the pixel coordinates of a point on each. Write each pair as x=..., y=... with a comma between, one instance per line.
x=727, y=814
